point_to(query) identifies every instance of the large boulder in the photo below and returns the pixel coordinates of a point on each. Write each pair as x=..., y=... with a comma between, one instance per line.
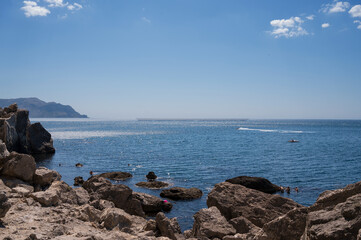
x=39, y=139
x=168, y=227
x=118, y=176
x=115, y=217
x=152, y=204
x=209, y=223
x=257, y=183
x=4, y=204
x=179, y=193
x=236, y=200
x=46, y=198
x=44, y=177
x=20, y=166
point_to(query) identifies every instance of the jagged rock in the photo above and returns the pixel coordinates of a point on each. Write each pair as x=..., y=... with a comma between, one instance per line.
x=151, y=176
x=4, y=204
x=257, y=183
x=152, y=204
x=89, y=213
x=153, y=184
x=44, y=176
x=168, y=227
x=3, y=150
x=179, y=193
x=102, y=204
x=209, y=223
x=118, y=176
x=289, y=226
x=94, y=183
x=78, y=181
x=12, y=108
x=115, y=217
x=82, y=196
x=21, y=191
x=47, y=198
x=20, y=166
x=13, y=182
x=151, y=226
x=67, y=194
x=243, y=225
x=335, y=215
x=39, y=139
x=235, y=200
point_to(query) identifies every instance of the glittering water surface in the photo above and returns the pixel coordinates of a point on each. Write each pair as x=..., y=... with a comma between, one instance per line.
x=201, y=153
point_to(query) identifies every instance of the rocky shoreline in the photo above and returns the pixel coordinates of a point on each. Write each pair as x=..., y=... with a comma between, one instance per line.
x=36, y=204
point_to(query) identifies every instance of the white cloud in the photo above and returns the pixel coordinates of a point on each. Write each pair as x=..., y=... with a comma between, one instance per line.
x=75, y=6
x=335, y=7
x=146, y=20
x=311, y=17
x=56, y=3
x=358, y=22
x=355, y=11
x=31, y=9
x=291, y=27
x=325, y=25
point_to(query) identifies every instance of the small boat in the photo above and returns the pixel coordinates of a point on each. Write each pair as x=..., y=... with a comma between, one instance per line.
x=293, y=141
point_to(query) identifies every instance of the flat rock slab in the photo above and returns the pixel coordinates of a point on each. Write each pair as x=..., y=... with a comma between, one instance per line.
x=152, y=185
x=257, y=183
x=179, y=193
x=116, y=175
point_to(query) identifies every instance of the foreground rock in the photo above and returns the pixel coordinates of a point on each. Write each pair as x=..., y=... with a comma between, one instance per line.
x=168, y=227
x=4, y=204
x=19, y=166
x=257, y=183
x=152, y=204
x=152, y=185
x=118, y=176
x=179, y=193
x=44, y=177
x=20, y=135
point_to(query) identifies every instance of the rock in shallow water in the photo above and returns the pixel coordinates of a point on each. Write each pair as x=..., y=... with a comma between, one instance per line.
x=152, y=185
x=179, y=193
x=257, y=183
x=119, y=176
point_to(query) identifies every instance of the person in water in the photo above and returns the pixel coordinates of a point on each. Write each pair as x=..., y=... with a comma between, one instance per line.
x=288, y=190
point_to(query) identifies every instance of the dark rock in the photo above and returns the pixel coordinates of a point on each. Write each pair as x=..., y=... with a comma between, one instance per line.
x=168, y=227
x=11, y=109
x=151, y=226
x=94, y=183
x=44, y=177
x=236, y=200
x=179, y=193
x=243, y=225
x=17, y=165
x=152, y=204
x=4, y=204
x=209, y=223
x=118, y=176
x=78, y=181
x=79, y=165
x=257, y=183
x=152, y=185
x=4, y=153
x=39, y=139
x=151, y=176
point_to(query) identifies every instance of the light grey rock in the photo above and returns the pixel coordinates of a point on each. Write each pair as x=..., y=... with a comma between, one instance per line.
x=20, y=166
x=44, y=176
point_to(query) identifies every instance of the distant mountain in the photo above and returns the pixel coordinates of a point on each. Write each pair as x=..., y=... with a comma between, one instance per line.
x=41, y=109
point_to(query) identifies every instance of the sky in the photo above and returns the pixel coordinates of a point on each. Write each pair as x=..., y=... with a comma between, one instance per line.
x=127, y=59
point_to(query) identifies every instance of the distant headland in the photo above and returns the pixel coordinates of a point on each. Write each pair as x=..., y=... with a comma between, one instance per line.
x=40, y=109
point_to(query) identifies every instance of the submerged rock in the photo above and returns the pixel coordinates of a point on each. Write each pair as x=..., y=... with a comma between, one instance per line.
x=118, y=176
x=179, y=193
x=257, y=183
x=153, y=184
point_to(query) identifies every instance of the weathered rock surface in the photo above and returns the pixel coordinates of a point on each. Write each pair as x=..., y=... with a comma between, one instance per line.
x=4, y=204
x=152, y=204
x=236, y=200
x=17, y=165
x=257, y=183
x=209, y=223
x=168, y=227
x=151, y=176
x=19, y=135
x=119, y=176
x=153, y=184
x=78, y=181
x=179, y=193
x=44, y=177
x=3, y=150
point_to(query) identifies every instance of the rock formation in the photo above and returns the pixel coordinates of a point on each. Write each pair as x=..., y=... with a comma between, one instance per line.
x=152, y=184
x=20, y=135
x=179, y=193
x=257, y=183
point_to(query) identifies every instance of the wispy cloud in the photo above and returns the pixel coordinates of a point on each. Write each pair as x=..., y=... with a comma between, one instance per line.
x=31, y=9
x=146, y=20
x=291, y=27
x=358, y=22
x=56, y=3
x=311, y=17
x=335, y=7
x=325, y=25
x=355, y=11
x=75, y=6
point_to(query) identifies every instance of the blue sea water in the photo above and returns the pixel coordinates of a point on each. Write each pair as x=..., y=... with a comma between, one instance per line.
x=201, y=153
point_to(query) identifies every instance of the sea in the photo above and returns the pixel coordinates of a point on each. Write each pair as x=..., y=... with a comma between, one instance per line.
x=202, y=153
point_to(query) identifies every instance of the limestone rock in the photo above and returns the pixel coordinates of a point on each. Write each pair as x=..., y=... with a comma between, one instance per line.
x=102, y=204
x=94, y=183
x=236, y=200
x=243, y=225
x=209, y=223
x=152, y=204
x=179, y=193
x=39, y=139
x=44, y=176
x=20, y=166
x=82, y=196
x=118, y=176
x=153, y=184
x=168, y=227
x=257, y=183
x=46, y=198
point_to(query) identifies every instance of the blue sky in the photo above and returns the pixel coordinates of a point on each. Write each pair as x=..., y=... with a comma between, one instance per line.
x=186, y=58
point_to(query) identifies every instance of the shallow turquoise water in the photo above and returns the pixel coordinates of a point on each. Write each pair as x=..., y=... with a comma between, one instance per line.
x=201, y=153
